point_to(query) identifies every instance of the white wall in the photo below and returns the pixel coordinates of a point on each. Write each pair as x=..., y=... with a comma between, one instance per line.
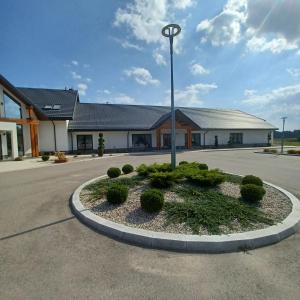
x=249, y=136
x=46, y=136
x=11, y=127
x=113, y=139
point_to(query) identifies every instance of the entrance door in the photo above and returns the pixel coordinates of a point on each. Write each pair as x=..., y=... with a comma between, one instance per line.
x=84, y=143
x=167, y=140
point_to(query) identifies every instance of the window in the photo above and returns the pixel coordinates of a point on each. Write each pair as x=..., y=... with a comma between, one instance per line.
x=20, y=140
x=84, y=142
x=196, y=139
x=236, y=138
x=141, y=140
x=12, y=109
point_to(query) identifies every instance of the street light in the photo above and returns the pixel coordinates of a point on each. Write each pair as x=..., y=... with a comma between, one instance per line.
x=282, y=135
x=170, y=31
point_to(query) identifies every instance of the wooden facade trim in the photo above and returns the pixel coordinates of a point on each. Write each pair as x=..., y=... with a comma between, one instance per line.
x=20, y=121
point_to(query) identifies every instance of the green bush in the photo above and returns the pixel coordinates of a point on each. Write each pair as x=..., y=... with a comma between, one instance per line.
x=207, y=178
x=144, y=170
x=252, y=192
x=163, y=179
x=113, y=172
x=45, y=157
x=183, y=162
x=152, y=200
x=250, y=179
x=267, y=150
x=292, y=151
x=19, y=158
x=117, y=193
x=202, y=166
x=127, y=169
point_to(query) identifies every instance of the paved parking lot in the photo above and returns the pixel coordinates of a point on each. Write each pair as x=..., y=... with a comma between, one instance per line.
x=46, y=253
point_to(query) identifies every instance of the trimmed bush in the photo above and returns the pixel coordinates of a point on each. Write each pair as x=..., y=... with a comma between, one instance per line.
x=113, y=172
x=183, y=162
x=19, y=158
x=252, y=192
x=127, y=169
x=202, y=166
x=250, y=179
x=117, y=193
x=267, y=150
x=163, y=179
x=144, y=170
x=45, y=157
x=152, y=200
x=207, y=178
x=292, y=151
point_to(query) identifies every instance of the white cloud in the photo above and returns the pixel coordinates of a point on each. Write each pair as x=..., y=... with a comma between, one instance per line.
x=107, y=92
x=272, y=105
x=88, y=79
x=74, y=62
x=225, y=28
x=82, y=88
x=294, y=72
x=75, y=75
x=123, y=99
x=197, y=69
x=265, y=25
x=159, y=58
x=127, y=45
x=249, y=93
x=287, y=93
x=261, y=44
x=142, y=76
x=146, y=18
x=190, y=95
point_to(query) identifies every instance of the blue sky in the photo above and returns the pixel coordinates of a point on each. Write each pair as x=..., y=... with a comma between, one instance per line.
x=238, y=54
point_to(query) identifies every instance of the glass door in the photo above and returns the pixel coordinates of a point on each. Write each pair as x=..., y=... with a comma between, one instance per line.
x=84, y=143
x=167, y=140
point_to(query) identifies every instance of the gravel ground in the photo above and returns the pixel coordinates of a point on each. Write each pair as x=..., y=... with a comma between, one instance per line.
x=275, y=204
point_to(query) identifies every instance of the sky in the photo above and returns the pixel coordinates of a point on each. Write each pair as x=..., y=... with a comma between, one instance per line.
x=234, y=54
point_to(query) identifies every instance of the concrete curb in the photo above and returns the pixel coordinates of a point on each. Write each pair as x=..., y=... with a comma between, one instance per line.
x=190, y=243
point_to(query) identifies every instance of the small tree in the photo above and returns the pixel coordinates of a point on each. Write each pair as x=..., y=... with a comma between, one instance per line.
x=100, y=144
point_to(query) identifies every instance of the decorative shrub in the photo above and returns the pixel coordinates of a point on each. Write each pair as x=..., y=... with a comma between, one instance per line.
x=202, y=166
x=292, y=151
x=61, y=158
x=117, y=193
x=127, y=169
x=183, y=162
x=19, y=158
x=163, y=179
x=113, y=172
x=101, y=144
x=144, y=170
x=250, y=179
x=207, y=178
x=152, y=200
x=267, y=150
x=252, y=192
x=45, y=157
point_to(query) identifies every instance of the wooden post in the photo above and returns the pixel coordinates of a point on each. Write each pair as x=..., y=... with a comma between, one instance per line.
x=34, y=140
x=189, y=138
x=158, y=138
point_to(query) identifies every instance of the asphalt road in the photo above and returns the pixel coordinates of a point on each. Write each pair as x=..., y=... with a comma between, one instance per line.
x=46, y=253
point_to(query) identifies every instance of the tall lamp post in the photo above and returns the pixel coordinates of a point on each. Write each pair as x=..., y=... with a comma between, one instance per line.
x=282, y=135
x=170, y=31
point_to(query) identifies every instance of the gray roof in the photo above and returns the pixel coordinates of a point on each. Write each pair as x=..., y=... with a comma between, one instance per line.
x=95, y=117
x=41, y=97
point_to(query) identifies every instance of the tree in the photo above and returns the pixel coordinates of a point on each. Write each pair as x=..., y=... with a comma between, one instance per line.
x=101, y=144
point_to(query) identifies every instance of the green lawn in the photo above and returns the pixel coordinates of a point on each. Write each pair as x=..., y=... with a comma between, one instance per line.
x=287, y=142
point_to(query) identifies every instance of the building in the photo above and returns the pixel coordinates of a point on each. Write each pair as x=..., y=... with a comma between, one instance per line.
x=34, y=120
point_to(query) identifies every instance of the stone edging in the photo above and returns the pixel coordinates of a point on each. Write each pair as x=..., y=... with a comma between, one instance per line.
x=190, y=243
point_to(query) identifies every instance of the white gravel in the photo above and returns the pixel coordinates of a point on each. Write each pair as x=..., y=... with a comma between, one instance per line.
x=275, y=204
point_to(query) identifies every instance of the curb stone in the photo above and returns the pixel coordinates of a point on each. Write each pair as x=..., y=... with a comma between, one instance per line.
x=186, y=242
